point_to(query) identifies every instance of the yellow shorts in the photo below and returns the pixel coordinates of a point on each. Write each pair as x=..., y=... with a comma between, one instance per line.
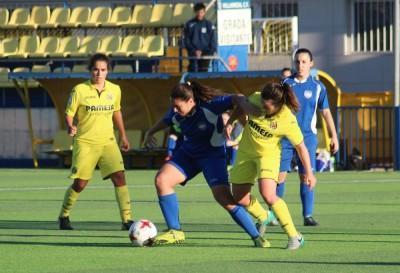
x=249, y=169
x=85, y=157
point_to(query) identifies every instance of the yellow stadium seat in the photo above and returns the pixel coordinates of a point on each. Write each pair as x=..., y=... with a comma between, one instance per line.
x=161, y=15
x=110, y=44
x=19, y=17
x=120, y=15
x=80, y=68
x=4, y=16
x=134, y=138
x=89, y=45
x=153, y=45
x=39, y=15
x=41, y=68
x=61, y=69
x=47, y=45
x=130, y=45
x=140, y=16
x=4, y=80
x=182, y=13
x=122, y=68
x=67, y=45
x=27, y=45
x=8, y=46
x=99, y=16
x=79, y=15
x=31, y=83
x=58, y=16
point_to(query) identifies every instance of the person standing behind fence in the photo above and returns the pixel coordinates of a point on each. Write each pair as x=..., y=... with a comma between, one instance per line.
x=312, y=95
x=199, y=39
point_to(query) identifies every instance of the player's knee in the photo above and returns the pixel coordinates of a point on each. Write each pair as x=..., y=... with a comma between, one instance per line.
x=269, y=197
x=79, y=185
x=160, y=180
x=118, y=179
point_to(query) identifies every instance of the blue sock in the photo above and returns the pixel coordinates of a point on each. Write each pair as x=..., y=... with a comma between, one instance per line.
x=242, y=218
x=233, y=157
x=307, y=199
x=170, y=209
x=280, y=189
x=171, y=144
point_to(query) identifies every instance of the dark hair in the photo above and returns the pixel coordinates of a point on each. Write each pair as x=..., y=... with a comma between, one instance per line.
x=286, y=69
x=194, y=90
x=280, y=94
x=199, y=6
x=304, y=50
x=99, y=57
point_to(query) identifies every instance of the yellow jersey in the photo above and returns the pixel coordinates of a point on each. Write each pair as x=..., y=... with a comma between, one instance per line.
x=262, y=135
x=94, y=111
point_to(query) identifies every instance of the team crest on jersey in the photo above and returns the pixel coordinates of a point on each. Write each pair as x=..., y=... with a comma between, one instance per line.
x=273, y=125
x=308, y=94
x=202, y=126
x=109, y=96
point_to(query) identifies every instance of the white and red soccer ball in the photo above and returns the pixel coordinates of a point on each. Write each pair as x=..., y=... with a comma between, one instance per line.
x=142, y=233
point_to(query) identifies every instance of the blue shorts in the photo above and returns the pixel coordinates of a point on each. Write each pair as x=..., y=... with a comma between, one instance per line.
x=289, y=152
x=214, y=169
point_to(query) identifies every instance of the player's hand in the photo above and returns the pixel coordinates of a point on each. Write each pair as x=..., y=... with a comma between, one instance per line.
x=228, y=131
x=149, y=141
x=124, y=144
x=334, y=146
x=72, y=130
x=310, y=180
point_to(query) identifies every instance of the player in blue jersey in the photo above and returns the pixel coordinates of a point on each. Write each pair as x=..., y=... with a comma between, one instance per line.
x=312, y=95
x=198, y=110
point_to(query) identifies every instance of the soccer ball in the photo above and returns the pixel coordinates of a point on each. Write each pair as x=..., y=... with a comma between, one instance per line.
x=142, y=233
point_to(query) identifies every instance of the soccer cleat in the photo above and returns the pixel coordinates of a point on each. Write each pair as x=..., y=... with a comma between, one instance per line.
x=126, y=225
x=261, y=242
x=64, y=223
x=262, y=226
x=295, y=242
x=309, y=221
x=170, y=237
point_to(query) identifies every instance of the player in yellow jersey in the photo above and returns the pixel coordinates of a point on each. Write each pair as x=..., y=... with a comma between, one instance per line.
x=269, y=118
x=95, y=104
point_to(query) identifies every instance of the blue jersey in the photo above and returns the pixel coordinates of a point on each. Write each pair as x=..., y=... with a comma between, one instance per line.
x=311, y=95
x=202, y=129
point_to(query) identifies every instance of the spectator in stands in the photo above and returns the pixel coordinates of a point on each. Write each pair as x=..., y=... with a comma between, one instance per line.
x=286, y=72
x=199, y=39
x=95, y=104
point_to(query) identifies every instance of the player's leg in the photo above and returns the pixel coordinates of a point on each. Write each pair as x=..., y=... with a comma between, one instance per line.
x=284, y=167
x=307, y=194
x=179, y=169
x=111, y=166
x=171, y=145
x=84, y=160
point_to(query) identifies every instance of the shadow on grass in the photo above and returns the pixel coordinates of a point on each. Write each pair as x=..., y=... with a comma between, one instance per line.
x=331, y=263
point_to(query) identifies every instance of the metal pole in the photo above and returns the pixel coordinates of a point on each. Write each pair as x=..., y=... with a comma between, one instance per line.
x=396, y=84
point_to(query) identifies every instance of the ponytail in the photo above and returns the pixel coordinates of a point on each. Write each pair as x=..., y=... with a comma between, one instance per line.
x=281, y=94
x=195, y=91
x=290, y=98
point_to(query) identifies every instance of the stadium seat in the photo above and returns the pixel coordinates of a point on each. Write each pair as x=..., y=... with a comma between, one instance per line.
x=134, y=138
x=19, y=17
x=120, y=16
x=80, y=68
x=47, y=45
x=130, y=45
x=67, y=45
x=153, y=45
x=4, y=80
x=181, y=14
x=58, y=16
x=122, y=68
x=89, y=45
x=99, y=16
x=61, y=69
x=39, y=15
x=140, y=16
x=161, y=15
x=110, y=44
x=4, y=17
x=31, y=83
x=79, y=15
x=41, y=68
x=27, y=45
x=8, y=46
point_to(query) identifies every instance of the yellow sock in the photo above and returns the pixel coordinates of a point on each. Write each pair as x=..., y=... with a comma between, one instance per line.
x=283, y=215
x=256, y=210
x=69, y=200
x=124, y=203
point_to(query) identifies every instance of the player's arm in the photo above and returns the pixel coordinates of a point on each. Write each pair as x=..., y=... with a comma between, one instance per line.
x=119, y=122
x=71, y=128
x=248, y=107
x=237, y=114
x=72, y=107
x=304, y=156
x=327, y=115
x=149, y=139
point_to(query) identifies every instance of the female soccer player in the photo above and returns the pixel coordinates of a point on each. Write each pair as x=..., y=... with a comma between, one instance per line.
x=312, y=95
x=96, y=104
x=198, y=110
x=270, y=118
